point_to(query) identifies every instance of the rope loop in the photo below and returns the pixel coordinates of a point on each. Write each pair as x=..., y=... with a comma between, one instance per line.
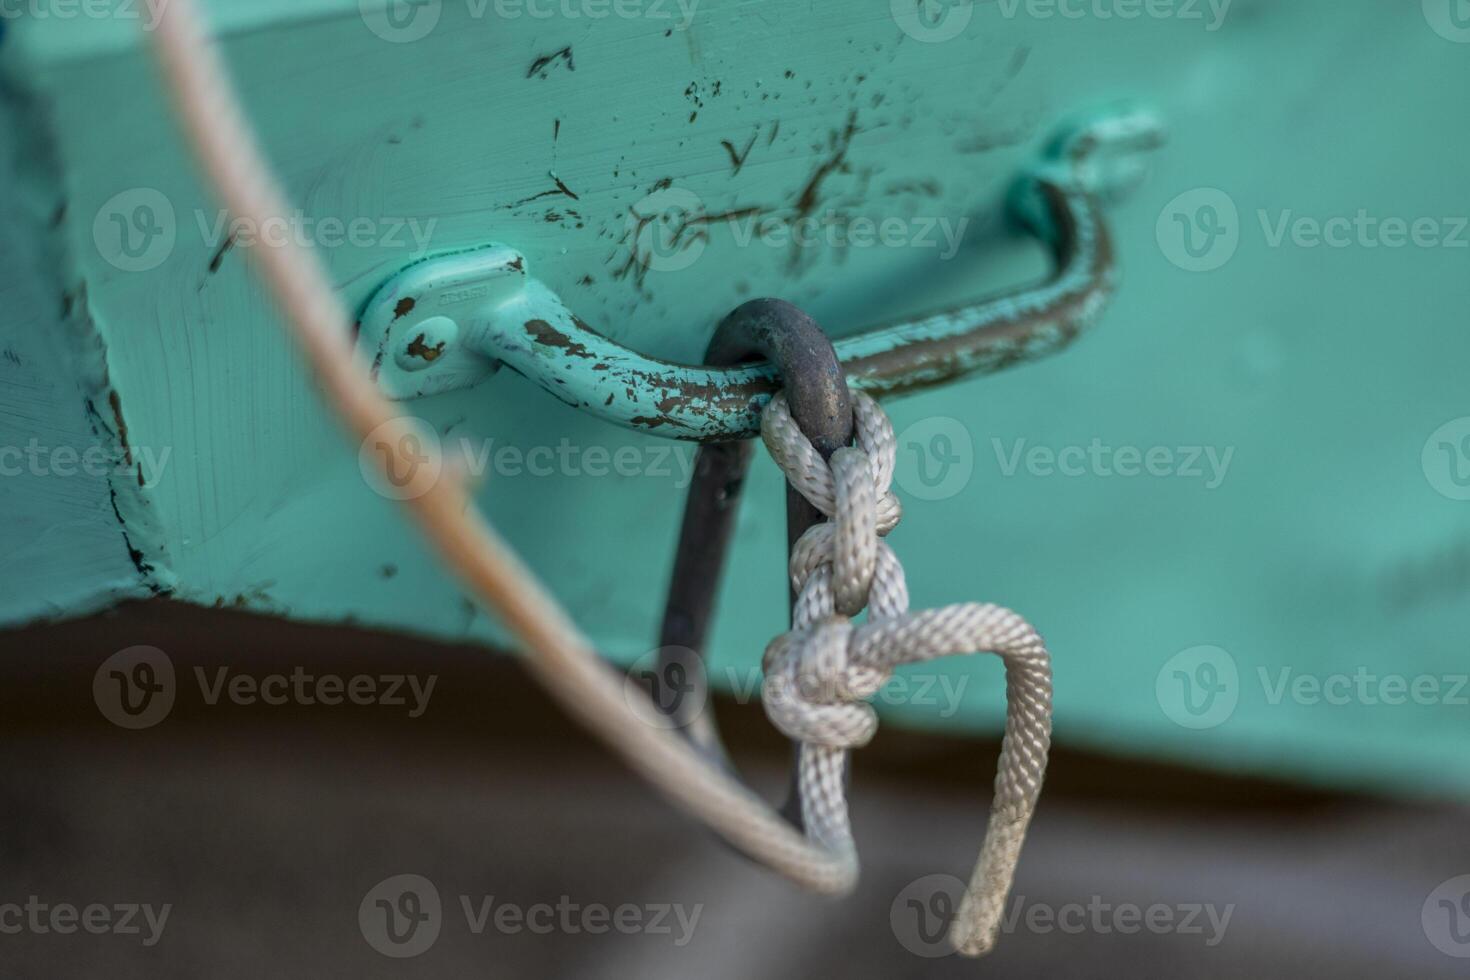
x=820, y=673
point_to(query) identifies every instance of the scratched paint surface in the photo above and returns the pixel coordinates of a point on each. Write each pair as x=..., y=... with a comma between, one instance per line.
x=64, y=549
x=1322, y=371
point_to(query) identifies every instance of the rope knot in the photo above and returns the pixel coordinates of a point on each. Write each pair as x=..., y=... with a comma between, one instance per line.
x=819, y=673
x=814, y=688
x=852, y=489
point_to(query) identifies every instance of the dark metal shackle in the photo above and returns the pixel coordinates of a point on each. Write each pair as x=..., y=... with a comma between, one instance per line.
x=816, y=388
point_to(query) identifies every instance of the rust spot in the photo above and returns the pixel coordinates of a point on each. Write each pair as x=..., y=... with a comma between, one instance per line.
x=547, y=335
x=560, y=188
x=219, y=256
x=693, y=225
x=417, y=348
x=542, y=66
x=404, y=308
x=806, y=202
x=692, y=94
x=518, y=263
x=121, y=426
x=737, y=160
x=732, y=215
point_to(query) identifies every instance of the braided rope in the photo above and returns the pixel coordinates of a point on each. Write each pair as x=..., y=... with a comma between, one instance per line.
x=819, y=673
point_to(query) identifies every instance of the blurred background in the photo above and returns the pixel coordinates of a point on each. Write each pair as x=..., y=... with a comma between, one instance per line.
x=263, y=830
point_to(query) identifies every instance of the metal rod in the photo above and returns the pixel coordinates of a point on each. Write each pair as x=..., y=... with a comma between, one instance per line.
x=816, y=385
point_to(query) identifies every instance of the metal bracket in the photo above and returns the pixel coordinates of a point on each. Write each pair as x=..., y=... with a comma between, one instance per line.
x=449, y=322
x=425, y=329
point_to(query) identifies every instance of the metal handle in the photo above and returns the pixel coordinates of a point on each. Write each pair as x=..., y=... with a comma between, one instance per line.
x=450, y=322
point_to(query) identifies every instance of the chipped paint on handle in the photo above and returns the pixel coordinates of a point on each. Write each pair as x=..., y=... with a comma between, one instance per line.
x=501, y=316
x=541, y=339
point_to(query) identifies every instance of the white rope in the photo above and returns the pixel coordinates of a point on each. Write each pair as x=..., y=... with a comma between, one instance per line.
x=819, y=674
x=560, y=656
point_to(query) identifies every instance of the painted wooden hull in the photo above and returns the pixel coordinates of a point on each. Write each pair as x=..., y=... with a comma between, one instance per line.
x=1294, y=515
